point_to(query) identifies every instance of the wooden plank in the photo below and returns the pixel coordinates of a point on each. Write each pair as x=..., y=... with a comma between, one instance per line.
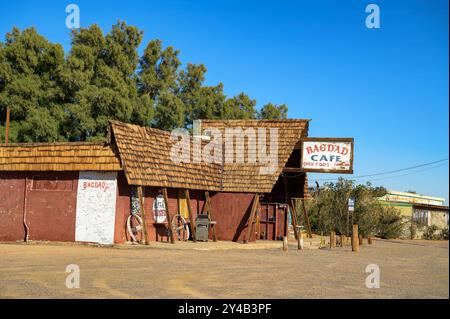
x=191, y=216
x=169, y=221
x=292, y=170
x=144, y=222
x=252, y=218
x=210, y=214
x=291, y=209
x=305, y=213
x=355, y=239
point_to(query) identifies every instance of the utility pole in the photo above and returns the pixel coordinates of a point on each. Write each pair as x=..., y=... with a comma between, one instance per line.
x=8, y=114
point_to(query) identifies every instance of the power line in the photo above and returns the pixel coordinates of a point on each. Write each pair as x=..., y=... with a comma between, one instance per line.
x=412, y=173
x=388, y=172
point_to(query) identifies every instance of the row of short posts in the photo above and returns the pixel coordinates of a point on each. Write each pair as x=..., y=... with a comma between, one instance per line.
x=356, y=240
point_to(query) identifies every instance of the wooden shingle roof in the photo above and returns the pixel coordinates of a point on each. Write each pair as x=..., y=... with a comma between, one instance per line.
x=80, y=156
x=248, y=177
x=145, y=157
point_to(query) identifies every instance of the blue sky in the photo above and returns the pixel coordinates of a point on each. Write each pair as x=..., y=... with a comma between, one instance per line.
x=387, y=87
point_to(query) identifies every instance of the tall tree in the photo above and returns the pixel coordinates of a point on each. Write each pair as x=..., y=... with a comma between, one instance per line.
x=55, y=98
x=272, y=112
x=29, y=70
x=100, y=81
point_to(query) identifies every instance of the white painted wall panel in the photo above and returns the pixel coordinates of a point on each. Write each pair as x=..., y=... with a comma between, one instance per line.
x=96, y=207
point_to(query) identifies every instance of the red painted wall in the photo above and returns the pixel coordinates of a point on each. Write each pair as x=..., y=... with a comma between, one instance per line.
x=11, y=206
x=155, y=232
x=231, y=211
x=49, y=208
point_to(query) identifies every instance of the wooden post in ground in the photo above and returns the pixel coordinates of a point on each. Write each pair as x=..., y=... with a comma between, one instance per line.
x=210, y=214
x=333, y=239
x=308, y=225
x=290, y=207
x=342, y=240
x=369, y=240
x=8, y=114
x=285, y=243
x=252, y=218
x=361, y=239
x=355, y=239
x=169, y=221
x=191, y=216
x=144, y=221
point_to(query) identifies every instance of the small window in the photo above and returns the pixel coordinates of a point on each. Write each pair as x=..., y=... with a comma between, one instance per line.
x=420, y=216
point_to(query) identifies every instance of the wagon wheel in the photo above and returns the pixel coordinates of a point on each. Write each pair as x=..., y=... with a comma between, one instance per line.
x=135, y=228
x=180, y=227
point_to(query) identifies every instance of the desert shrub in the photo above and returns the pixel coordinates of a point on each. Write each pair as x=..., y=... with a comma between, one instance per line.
x=444, y=233
x=413, y=229
x=430, y=232
x=328, y=211
x=390, y=223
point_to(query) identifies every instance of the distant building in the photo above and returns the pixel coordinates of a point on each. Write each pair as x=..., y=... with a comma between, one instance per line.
x=423, y=210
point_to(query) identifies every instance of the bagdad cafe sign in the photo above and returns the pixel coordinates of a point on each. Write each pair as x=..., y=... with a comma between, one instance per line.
x=327, y=155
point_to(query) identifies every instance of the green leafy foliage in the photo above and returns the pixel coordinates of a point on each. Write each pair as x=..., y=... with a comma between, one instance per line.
x=328, y=210
x=71, y=98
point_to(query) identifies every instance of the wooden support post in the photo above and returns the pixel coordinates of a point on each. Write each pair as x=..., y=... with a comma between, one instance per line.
x=308, y=225
x=169, y=221
x=369, y=240
x=285, y=243
x=333, y=239
x=252, y=218
x=191, y=216
x=210, y=214
x=8, y=114
x=144, y=221
x=342, y=240
x=361, y=239
x=291, y=209
x=355, y=239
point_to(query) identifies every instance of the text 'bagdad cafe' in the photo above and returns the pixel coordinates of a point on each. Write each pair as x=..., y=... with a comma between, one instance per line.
x=330, y=155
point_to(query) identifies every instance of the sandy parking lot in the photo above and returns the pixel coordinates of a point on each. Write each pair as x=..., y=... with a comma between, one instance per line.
x=409, y=269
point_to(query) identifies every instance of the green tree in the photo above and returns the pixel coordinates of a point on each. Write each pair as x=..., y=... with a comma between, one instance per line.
x=72, y=98
x=272, y=112
x=100, y=81
x=29, y=72
x=329, y=210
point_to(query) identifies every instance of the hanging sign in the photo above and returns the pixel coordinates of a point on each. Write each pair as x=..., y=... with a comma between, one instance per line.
x=327, y=155
x=351, y=204
x=159, y=209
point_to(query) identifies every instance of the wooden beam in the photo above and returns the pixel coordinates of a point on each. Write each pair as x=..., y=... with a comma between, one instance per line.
x=8, y=114
x=355, y=239
x=169, y=221
x=191, y=217
x=252, y=218
x=210, y=214
x=144, y=222
x=305, y=213
x=292, y=170
x=291, y=209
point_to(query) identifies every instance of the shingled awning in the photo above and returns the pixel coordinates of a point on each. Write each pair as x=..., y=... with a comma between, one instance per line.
x=247, y=177
x=67, y=156
x=145, y=157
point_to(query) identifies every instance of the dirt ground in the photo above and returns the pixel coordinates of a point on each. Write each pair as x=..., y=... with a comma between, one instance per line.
x=408, y=269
